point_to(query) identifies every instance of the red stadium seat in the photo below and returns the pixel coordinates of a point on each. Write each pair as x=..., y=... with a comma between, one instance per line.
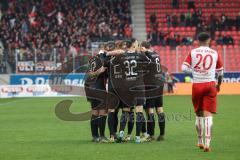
x=229, y=7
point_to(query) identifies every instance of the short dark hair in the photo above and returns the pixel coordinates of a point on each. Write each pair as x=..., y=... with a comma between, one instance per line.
x=132, y=40
x=126, y=43
x=146, y=44
x=109, y=46
x=203, y=37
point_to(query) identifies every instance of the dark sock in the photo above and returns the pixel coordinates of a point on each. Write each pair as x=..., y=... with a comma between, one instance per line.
x=161, y=123
x=130, y=122
x=111, y=122
x=151, y=124
x=139, y=122
x=94, y=126
x=123, y=121
x=144, y=127
x=102, y=125
x=115, y=121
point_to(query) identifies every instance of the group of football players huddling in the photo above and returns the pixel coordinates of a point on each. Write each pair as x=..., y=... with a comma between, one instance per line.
x=125, y=75
x=134, y=77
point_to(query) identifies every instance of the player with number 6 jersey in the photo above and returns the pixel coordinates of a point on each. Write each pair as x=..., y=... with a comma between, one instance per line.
x=204, y=62
x=154, y=83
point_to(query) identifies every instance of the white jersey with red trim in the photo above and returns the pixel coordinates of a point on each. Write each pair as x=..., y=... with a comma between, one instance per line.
x=204, y=63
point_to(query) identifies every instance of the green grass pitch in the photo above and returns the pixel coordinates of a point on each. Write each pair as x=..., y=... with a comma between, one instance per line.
x=29, y=130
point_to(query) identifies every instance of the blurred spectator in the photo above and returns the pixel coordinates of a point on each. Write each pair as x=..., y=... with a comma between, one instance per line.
x=170, y=83
x=225, y=40
x=161, y=38
x=238, y=22
x=187, y=41
x=195, y=18
x=153, y=37
x=188, y=18
x=174, y=20
x=153, y=21
x=213, y=26
x=175, y=4
x=223, y=21
x=128, y=31
x=228, y=40
x=191, y=4
x=182, y=19
x=168, y=20
x=153, y=18
x=173, y=40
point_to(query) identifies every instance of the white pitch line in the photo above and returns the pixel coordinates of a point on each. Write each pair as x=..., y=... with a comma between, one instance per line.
x=12, y=102
x=2, y=104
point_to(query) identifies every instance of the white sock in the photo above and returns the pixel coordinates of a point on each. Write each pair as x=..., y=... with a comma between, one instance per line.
x=208, y=130
x=121, y=134
x=145, y=134
x=200, y=126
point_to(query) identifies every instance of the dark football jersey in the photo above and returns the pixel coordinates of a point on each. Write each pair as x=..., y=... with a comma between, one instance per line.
x=154, y=69
x=154, y=80
x=129, y=67
x=97, y=81
x=127, y=76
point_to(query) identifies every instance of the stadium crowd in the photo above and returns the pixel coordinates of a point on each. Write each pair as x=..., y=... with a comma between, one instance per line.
x=69, y=26
x=193, y=18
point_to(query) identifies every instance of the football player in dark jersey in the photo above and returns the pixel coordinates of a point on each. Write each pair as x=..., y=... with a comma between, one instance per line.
x=112, y=104
x=154, y=81
x=96, y=83
x=127, y=115
x=126, y=73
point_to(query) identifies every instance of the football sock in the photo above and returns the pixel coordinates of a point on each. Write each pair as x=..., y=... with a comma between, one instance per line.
x=111, y=124
x=139, y=121
x=123, y=121
x=151, y=124
x=115, y=121
x=208, y=130
x=200, y=128
x=94, y=126
x=144, y=127
x=161, y=123
x=102, y=125
x=130, y=123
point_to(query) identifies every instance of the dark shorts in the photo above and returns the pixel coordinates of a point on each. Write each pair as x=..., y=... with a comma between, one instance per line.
x=154, y=102
x=125, y=99
x=96, y=104
x=96, y=95
x=132, y=95
x=113, y=100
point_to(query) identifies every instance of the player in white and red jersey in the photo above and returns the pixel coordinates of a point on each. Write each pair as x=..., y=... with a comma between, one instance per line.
x=204, y=62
